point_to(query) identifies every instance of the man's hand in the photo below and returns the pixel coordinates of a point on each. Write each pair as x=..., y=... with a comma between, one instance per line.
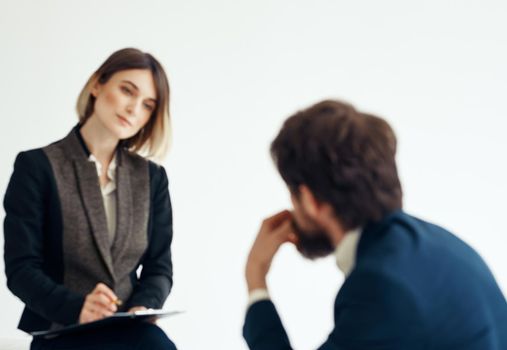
x=274, y=231
x=98, y=304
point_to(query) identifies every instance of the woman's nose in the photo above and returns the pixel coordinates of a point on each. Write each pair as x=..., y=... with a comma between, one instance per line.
x=133, y=108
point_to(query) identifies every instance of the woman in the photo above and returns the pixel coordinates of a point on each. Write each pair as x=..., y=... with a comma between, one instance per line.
x=84, y=213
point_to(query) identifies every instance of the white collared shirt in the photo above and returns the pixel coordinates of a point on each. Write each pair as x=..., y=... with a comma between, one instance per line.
x=108, y=194
x=345, y=254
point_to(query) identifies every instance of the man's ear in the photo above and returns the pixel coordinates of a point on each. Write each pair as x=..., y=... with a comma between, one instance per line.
x=316, y=209
x=308, y=201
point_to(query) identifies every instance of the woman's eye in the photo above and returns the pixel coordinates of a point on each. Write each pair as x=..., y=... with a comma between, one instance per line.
x=126, y=90
x=149, y=107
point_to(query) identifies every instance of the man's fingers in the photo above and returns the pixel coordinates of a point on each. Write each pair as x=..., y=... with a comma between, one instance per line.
x=276, y=220
x=283, y=231
x=293, y=238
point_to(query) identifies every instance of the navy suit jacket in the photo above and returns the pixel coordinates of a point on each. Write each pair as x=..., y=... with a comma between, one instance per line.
x=414, y=286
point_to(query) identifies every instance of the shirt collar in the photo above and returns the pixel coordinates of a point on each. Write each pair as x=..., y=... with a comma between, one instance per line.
x=111, y=173
x=111, y=168
x=345, y=252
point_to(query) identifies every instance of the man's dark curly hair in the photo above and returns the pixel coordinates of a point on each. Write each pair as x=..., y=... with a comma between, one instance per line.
x=345, y=157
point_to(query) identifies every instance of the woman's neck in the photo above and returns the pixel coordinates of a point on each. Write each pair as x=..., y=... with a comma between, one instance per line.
x=99, y=140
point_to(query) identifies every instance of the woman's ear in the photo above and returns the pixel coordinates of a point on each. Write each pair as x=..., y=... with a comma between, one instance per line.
x=95, y=88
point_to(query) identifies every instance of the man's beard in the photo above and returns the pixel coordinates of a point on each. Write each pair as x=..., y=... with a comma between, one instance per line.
x=312, y=244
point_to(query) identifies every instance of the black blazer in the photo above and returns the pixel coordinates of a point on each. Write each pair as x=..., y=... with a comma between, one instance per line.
x=35, y=232
x=414, y=286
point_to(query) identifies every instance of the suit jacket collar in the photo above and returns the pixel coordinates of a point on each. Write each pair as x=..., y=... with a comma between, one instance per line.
x=374, y=231
x=77, y=131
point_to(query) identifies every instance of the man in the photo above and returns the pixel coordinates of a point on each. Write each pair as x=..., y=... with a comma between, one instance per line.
x=409, y=284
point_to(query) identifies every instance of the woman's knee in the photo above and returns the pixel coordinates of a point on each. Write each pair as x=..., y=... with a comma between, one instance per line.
x=153, y=337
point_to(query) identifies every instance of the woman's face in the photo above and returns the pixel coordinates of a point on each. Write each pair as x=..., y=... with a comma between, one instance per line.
x=125, y=102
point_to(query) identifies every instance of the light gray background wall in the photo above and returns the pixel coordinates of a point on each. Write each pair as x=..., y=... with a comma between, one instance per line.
x=435, y=69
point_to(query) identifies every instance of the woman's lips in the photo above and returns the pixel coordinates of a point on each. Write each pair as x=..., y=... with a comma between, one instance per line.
x=123, y=120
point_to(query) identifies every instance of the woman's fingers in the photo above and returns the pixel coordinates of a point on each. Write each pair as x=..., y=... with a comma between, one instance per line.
x=137, y=308
x=96, y=307
x=93, y=312
x=90, y=315
x=98, y=304
x=102, y=301
x=102, y=288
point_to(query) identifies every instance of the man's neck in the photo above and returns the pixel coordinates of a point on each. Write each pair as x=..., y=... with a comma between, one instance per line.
x=335, y=230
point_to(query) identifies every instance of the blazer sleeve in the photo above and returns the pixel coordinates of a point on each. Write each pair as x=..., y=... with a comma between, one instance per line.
x=25, y=209
x=372, y=311
x=156, y=279
x=263, y=329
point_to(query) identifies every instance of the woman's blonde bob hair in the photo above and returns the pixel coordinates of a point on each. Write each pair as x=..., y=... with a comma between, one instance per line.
x=154, y=139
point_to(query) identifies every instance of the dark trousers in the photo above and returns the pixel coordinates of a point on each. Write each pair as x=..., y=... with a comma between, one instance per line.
x=137, y=336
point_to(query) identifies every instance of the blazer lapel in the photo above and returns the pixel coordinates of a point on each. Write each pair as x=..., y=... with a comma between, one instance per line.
x=124, y=207
x=89, y=190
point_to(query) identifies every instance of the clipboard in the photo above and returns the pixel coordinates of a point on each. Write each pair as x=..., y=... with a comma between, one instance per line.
x=114, y=320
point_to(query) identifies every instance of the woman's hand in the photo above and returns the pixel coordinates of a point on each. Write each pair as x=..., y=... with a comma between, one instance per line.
x=98, y=304
x=137, y=308
x=141, y=308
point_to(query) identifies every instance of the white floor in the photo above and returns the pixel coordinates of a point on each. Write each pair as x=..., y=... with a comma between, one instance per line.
x=22, y=343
